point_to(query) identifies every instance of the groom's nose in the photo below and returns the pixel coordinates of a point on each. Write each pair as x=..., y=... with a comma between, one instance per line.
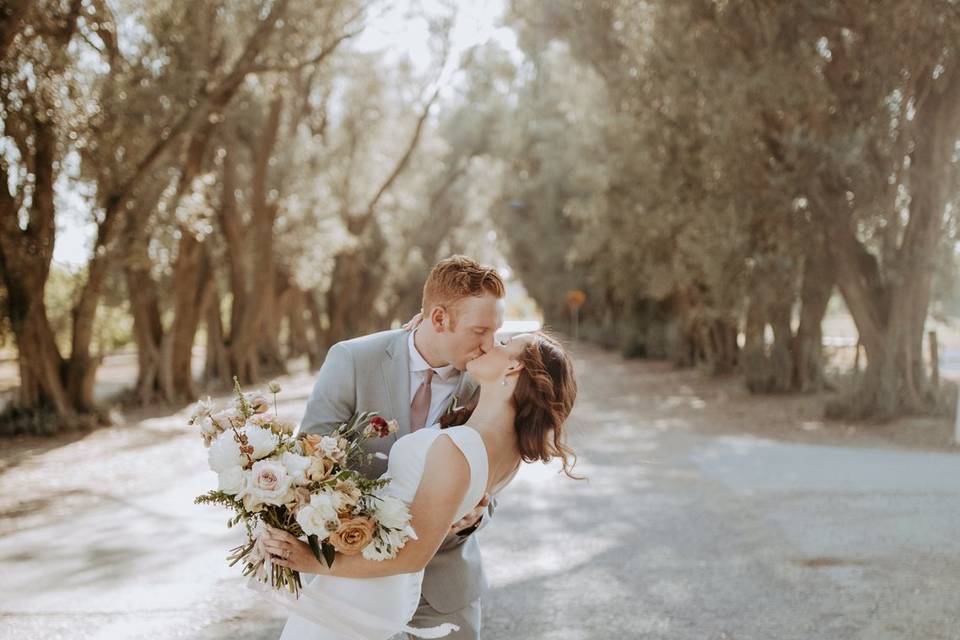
x=487, y=345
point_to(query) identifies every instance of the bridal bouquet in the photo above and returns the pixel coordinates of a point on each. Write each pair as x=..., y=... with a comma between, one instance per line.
x=306, y=485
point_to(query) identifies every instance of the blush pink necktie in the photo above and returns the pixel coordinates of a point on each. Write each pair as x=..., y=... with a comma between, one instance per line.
x=420, y=406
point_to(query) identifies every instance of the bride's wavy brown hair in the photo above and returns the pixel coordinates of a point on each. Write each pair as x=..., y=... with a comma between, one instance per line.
x=543, y=399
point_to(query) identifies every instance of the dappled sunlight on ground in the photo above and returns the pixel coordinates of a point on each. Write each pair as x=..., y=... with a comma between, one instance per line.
x=699, y=518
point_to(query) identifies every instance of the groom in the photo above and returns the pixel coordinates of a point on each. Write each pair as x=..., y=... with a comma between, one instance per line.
x=413, y=376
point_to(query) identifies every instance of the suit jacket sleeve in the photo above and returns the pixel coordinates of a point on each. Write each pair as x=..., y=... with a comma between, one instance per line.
x=334, y=396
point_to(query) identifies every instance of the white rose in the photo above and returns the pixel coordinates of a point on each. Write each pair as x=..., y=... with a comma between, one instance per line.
x=262, y=440
x=297, y=466
x=268, y=483
x=271, y=480
x=224, y=453
x=231, y=480
x=319, y=518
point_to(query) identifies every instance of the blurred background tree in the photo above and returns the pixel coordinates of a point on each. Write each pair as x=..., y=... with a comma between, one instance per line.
x=257, y=184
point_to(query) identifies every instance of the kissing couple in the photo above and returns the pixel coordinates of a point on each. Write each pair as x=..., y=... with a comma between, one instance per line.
x=447, y=462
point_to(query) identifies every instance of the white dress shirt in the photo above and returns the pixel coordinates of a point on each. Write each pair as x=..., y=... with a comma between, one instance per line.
x=442, y=386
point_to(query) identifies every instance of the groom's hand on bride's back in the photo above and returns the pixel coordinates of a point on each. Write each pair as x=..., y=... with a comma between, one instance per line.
x=468, y=523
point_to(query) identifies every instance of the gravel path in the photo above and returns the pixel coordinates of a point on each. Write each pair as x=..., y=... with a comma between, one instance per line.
x=703, y=518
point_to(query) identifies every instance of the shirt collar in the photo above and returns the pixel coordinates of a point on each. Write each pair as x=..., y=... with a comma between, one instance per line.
x=418, y=364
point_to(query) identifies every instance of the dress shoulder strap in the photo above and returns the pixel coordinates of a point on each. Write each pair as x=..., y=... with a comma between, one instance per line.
x=470, y=442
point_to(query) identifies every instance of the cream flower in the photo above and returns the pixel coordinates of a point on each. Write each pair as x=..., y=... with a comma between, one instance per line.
x=392, y=512
x=385, y=545
x=349, y=493
x=268, y=483
x=284, y=427
x=231, y=481
x=319, y=518
x=225, y=453
x=203, y=407
x=377, y=551
x=330, y=448
x=227, y=418
x=263, y=441
x=209, y=430
x=261, y=420
x=296, y=466
x=320, y=468
x=298, y=498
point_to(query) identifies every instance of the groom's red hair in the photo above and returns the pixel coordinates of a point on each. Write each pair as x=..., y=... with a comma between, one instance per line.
x=458, y=277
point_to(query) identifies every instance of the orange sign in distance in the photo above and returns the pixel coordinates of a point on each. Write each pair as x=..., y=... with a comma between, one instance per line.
x=575, y=299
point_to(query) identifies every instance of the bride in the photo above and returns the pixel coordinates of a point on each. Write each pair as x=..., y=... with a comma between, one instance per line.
x=527, y=390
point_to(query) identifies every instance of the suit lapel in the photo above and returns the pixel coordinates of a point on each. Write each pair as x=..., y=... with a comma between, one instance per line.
x=396, y=380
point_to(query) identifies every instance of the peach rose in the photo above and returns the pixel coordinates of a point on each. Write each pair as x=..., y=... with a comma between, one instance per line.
x=353, y=535
x=320, y=468
x=299, y=497
x=311, y=442
x=350, y=493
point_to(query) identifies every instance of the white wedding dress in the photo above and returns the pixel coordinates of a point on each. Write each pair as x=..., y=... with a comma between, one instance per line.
x=332, y=608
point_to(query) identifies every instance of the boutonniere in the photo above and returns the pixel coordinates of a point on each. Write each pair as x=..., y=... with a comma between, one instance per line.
x=454, y=406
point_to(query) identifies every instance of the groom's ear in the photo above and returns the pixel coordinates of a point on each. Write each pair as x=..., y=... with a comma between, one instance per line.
x=439, y=318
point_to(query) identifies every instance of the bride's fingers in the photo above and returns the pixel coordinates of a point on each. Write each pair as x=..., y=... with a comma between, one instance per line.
x=282, y=536
x=275, y=547
x=277, y=535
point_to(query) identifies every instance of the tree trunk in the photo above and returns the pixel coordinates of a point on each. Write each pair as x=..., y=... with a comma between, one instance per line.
x=245, y=329
x=12, y=15
x=354, y=287
x=818, y=283
x=147, y=330
x=891, y=327
x=192, y=278
x=317, y=349
x=25, y=257
x=217, y=366
x=297, y=342
x=723, y=338
x=277, y=300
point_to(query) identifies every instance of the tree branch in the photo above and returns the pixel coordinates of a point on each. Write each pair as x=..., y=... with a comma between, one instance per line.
x=315, y=60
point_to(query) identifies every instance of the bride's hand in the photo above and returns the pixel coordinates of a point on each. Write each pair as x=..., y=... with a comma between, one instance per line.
x=288, y=551
x=413, y=323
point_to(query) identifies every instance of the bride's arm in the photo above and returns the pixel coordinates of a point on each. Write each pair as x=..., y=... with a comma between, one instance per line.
x=446, y=478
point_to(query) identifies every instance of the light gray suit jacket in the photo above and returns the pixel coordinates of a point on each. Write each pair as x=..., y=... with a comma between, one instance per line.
x=372, y=373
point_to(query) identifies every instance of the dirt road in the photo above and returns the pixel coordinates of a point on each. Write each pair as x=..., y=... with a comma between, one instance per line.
x=707, y=515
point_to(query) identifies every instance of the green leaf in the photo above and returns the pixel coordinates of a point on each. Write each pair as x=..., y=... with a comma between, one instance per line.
x=329, y=553
x=314, y=543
